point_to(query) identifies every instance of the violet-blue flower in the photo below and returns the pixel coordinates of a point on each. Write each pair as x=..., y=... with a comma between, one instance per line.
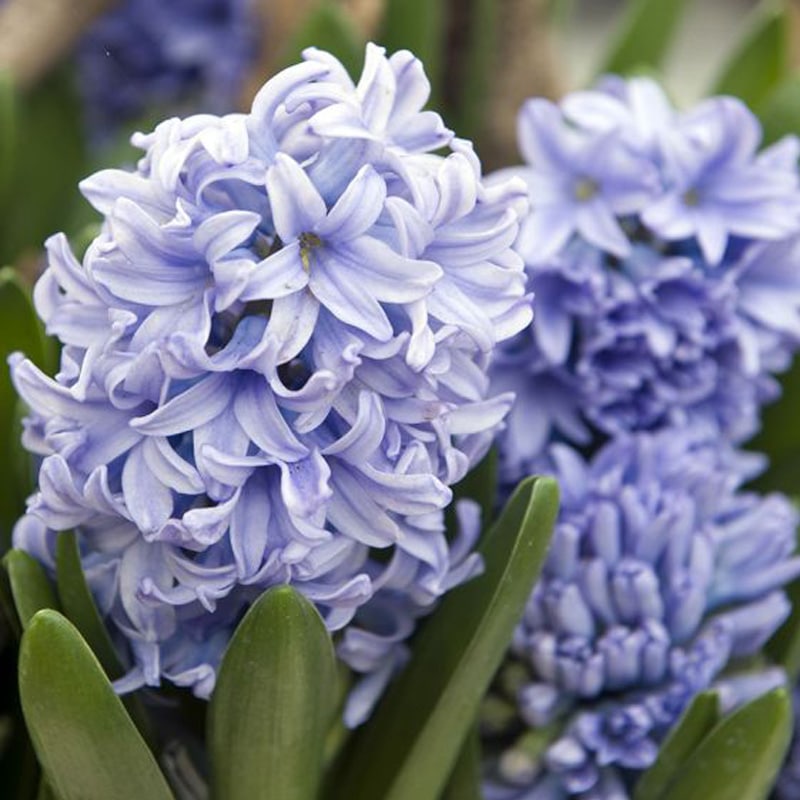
x=663, y=573
x=147, y=56
x=686, y=324
x=264, y=377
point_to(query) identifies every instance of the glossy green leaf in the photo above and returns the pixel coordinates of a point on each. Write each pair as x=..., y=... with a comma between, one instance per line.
x=644, y=36
x=780, y=112
x=740, y=757
x=409, y=747
x=760, y=62
x=480, y=485
x=30, y=586
x=85, y=741
x=465, y=779
x=273, y=702
x=79, y=606
x=693, y=726
x=418, y=26
x=328, y=28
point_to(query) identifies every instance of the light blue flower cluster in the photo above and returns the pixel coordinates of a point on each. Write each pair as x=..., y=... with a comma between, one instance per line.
x=662, y=574
x=273, y=369
x=148, y=55
x=663, y=251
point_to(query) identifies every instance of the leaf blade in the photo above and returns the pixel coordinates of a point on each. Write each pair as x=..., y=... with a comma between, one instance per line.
x=693, y=726
x=741, y=756
x=644, y=36
x=87, y=744
x=273, y=700
x=30, y=587
x=409, y=748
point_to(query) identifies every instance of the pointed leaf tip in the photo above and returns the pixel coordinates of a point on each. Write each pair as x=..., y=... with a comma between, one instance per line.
x=85, y=741
x=273, y=702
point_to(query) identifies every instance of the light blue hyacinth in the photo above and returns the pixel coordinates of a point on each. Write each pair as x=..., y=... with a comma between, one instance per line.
x=663, y=251
x=274, y=368
x=663, y=576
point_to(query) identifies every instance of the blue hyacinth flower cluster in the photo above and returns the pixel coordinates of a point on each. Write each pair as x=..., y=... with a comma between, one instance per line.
x=662, y=575
x=663, y=249
x=147, y=55
x=273, y=369
x=664, y=254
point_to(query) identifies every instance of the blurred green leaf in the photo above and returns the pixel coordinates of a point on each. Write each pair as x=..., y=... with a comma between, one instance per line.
x=418, y=26
x=644, y=36
x=30, y=586
x=410, y=745
x=740, y=757
x=19, y=330
x=273, y=702
x=760, y=61
x=465, y=779
x=328, y=28
x=780, y=112
x=693, y=726
x=79, y=606
x=8, y=132
x=85, y=741
x=470, y=63
x=44, y=192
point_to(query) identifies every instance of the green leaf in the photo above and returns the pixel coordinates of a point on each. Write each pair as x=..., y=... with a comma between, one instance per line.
x=644, y=36
x=79, y=606
x=760, y=61
x=693, y=726
x=740, y=757
x=274, y=698
x=44, y=186
x=409, y=747
x=8, y=132
x=328, y=28
x=780, y=112
x=85, y=741
x=480, y=485
x=19, y=330
x=469, y=68
x=418, y=26
x=30, y=586
x=465, y=780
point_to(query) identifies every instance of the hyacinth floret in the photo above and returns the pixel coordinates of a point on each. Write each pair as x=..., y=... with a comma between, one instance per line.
x=662, y=575
x=665, y=272
x=274, y=367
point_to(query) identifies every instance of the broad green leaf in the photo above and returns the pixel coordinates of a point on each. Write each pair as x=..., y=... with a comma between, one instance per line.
x=30, y=586
x=272, y=705
x=79, y=606
x=409, y=747
x=86, y=743
x=19, y=330
x=693, y=726
x=328, y=28
x=418, y=26
x=465, y=779
x=644, y=37
x=780, y=112
x=761, y=59
x=740, y=757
